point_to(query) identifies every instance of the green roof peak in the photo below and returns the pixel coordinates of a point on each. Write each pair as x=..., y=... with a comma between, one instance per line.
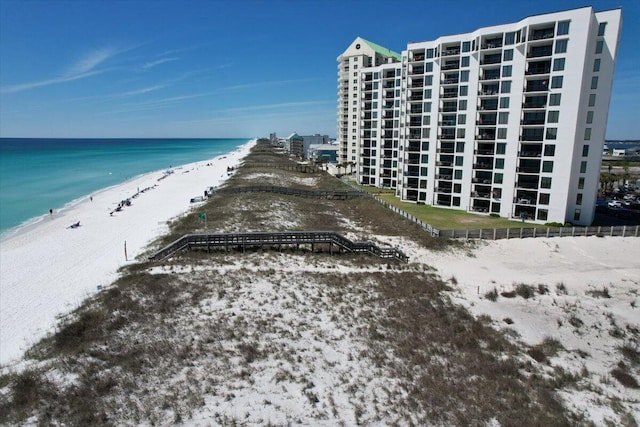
x=383, y=50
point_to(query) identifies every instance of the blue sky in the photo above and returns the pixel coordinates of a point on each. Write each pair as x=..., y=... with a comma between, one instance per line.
x=192, y=68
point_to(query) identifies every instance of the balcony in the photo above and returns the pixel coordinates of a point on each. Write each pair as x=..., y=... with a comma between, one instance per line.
x=443, y=190
x=414, y=135
x=537, y=86
x=491, y=75
x=451, y=65
x=416, y=70
x=540, y=51
x=485, y=152
x=486, y=136
x=483, y=165
x=451, y=52
x=547, y=33
x=448, y=136
x=529, y=184
x=491, y=59
x=416, y=97
x=488, y=106
x=492, y=43
x=416, y=109
x=441, y=176
x=418, y=57
x=451, y=81
x=537, y=153
x=528, y=169
x=536, y=134
x=447, y=123
x=450, y=94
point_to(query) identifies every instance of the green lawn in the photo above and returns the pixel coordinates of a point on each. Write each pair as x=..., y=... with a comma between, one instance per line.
x=446, y=219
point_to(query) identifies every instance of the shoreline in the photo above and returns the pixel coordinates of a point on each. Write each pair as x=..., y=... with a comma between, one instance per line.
x=50, y=268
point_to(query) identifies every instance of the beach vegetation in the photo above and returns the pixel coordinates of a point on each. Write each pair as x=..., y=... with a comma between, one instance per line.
x=599, y=293
x=492, y=295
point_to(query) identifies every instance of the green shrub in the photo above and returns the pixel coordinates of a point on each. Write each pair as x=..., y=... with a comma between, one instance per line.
x=492, y=295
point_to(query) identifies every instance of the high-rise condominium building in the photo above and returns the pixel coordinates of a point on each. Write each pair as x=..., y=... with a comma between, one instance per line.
x=508, y=119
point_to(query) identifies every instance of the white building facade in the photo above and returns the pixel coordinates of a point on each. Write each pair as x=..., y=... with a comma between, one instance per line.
x=508, y=119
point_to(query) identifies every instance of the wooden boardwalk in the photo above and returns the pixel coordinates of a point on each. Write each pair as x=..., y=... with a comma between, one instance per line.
x=297, y=167
x=321, y=194
x=277, y=239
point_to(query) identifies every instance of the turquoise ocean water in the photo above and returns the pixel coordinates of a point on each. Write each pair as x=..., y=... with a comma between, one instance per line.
x=39, y=174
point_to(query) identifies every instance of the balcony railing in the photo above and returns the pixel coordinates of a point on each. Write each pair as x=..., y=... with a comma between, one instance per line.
x=450, y=52
x=535, y=71
x=494, y=44
x=450, y=81
x=450, y=95
x=541, y=35
x=448, y=136
x=447, y=123
x=528, y=169
x=530, y=153
x=486, y=122
x=451, y=66
x=533, y=105
x=482, y=166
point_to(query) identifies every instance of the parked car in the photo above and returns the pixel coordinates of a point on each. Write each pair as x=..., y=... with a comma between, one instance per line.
x=614, y=204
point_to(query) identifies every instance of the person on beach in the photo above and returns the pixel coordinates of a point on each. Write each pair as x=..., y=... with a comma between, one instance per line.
x=50, y=212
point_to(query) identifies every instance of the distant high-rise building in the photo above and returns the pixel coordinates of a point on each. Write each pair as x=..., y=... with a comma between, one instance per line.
x=508, y=119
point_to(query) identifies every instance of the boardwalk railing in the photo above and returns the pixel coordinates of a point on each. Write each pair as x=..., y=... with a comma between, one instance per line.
x=305, y=168
x=325, y=194
x=244, y=240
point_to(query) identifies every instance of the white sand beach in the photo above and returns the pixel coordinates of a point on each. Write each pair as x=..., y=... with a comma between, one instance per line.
x=48, y=269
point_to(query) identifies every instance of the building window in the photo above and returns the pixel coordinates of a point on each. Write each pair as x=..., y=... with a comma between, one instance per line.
x=501, y=148
x=460, y=133
x=508, y=55
x=545, y=182
x=592, y=100
x=464, y=76
x=462, y=105
x=464, y=90
x=427, y=93
x=596, y=65
x=425, y=146
x=583, y=167
x=553, y=116
x=554, y=99
x=601, y=28
x=426, y=120
x=547, y=166
x=558, y=64
x=457, y=174
x=462, y=119
x=502, y=133
x=460, y=147
x=504, y=102
x=585, y=151
x=542, y=214
x=457, y=188
x=594, y=82
x=464, y=61
x=580, y=183
x=576, y=215
x=599, y=46
x=589, y=117
x=556, y=82
x=428, y=67
x=355, y=102
x=507, y=71
x=428, y=80
x=499, y=163
x=424, y=158
x=459, y=160
x=466, y=46
x=587, y=134
x=561, y=46
x=355, y=74
x=505, y=87
x=354, y=124
x=510, y=38
x=430, y=53
x=563, y=28
x=543, y=199
x=426, y=133
x=549, y=150
x=552, y=133
x=503, y=118
x=497, y=178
